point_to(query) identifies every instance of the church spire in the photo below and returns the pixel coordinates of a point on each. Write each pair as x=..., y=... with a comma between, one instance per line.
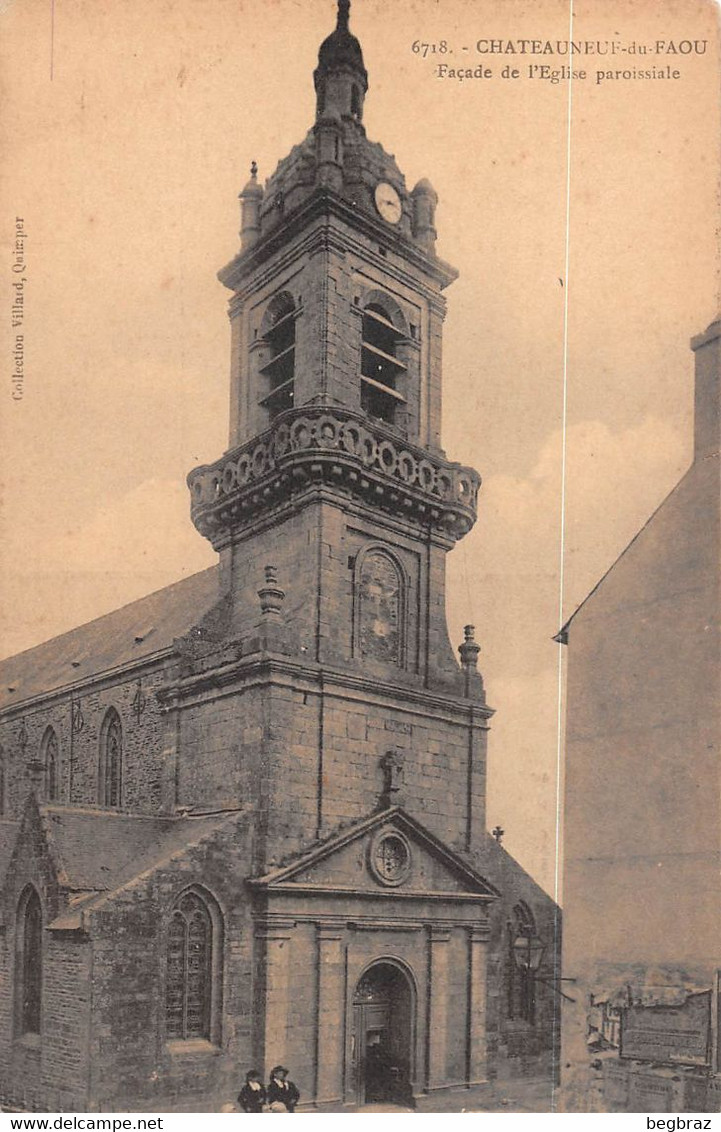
x=340, y=78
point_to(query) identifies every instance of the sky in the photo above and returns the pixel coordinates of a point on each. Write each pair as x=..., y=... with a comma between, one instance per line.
x=587, y=249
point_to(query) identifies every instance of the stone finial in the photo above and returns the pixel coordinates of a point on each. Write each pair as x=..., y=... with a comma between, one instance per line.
x=392, y=764
x=470, y=648
x=252, y=188
x=498, y=833
x=343, y=14
x=250, y=201
x=469, y=651
x=424, y=200
x=271, y=595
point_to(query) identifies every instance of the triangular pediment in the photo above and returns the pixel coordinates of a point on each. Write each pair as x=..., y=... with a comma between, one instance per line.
x=387, y=851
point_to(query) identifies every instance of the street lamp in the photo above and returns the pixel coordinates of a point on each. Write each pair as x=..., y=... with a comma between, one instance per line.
x=528, y=952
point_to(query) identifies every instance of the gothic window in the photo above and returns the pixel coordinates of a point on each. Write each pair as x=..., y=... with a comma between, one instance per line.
x=521, y=978
x=381, y=370
x=111, y=761
x=50, y=757
x=380, y=602
x=29, y=961
x=278, y=372
x=189, y=970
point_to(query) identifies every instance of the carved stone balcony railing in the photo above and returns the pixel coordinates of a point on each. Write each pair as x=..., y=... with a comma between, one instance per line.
x=317, y=444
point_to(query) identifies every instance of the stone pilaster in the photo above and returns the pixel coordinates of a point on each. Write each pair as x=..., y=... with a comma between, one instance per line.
x=477, y=1020
x=331, y=1013
x=274, y=933
x=438, y=940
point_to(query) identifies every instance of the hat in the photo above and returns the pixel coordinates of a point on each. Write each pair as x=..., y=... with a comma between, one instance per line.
x=252, y=1075
x=279, y=1069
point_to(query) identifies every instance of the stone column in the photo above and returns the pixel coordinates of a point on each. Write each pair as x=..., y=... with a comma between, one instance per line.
x=276, y=933
x=331, y=1013
x=438, y=940
x=477, y=1020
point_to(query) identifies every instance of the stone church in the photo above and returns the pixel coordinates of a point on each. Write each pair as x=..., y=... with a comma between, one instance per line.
x=243, y=819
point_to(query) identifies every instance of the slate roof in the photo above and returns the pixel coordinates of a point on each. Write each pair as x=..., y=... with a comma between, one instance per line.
x=98, y=851
x=142, y=629
x=646, y=994
x=497, y=863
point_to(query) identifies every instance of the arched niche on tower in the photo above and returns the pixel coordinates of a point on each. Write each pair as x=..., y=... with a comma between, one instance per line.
x=389, y=369
x=380, y=606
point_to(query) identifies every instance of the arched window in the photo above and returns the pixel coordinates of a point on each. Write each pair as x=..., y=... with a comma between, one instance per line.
x=29, y=961
x=50, y=757
x=278, y=331
x=111, y=761
x=521, y=981
x=380, y=367
x=380, y=607
x=192, y=970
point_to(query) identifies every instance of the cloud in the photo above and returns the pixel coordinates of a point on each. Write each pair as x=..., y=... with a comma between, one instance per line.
x=522, y=773
x=506, y=575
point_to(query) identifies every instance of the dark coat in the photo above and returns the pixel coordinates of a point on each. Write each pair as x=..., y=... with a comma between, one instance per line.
x=286, y=1092
x=252, y=1100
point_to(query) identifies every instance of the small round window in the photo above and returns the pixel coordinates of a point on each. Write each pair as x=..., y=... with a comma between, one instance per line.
x=390, y=858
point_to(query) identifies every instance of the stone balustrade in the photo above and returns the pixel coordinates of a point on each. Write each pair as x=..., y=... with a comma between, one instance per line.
x=344, y=447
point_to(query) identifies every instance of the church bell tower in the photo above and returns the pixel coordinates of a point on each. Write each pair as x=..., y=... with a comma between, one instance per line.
x=335, y=505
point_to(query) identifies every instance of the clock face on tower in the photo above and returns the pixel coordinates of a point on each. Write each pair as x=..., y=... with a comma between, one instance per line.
x=388, y=202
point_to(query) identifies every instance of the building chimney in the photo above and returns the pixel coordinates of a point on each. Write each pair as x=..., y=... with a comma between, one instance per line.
x=707, y=397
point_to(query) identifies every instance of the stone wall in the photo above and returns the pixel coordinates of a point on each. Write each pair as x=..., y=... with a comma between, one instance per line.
x=133, y=697
x=519, y=1048
x=46, y=1071
x=133, y=1066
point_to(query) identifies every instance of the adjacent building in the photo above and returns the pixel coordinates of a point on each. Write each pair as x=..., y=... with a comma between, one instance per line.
x=642, y=914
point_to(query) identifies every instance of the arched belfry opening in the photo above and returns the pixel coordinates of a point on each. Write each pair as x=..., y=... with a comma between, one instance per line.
x=382, y=1041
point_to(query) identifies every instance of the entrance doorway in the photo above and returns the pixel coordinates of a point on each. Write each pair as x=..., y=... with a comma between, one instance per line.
x=383, y=1024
